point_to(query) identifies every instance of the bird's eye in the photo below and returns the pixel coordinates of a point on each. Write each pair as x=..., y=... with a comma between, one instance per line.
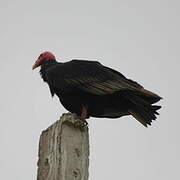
x=41, y=55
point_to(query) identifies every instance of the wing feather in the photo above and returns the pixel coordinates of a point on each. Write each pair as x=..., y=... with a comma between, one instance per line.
x=89, y=76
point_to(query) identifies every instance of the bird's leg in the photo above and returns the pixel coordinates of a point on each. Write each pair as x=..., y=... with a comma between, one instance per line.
x=82, y=122
x=83, y=113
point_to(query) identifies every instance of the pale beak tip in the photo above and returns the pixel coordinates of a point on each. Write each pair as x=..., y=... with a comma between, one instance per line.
x=34, y=67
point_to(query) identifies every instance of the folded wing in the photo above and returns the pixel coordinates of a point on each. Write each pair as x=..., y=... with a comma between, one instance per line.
x=91, y=77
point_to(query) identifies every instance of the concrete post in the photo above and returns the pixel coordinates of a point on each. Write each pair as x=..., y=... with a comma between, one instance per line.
x=64, y=151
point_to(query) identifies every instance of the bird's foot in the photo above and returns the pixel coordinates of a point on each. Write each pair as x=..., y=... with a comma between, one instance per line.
x=81, y=124
x=77, y=121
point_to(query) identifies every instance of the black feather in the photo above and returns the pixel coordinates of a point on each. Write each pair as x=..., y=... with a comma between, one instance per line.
x=104, y=91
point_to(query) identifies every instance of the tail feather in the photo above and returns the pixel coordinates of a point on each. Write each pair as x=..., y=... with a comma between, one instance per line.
x=138, y=117
x=146, y=95
x=142, y=111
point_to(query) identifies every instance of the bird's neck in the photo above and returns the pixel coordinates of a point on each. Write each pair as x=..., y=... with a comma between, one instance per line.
x=45, y=66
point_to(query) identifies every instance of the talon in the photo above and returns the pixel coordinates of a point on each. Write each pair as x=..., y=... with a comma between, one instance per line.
x=81, y=120
x=80, y=124
x=85, y=123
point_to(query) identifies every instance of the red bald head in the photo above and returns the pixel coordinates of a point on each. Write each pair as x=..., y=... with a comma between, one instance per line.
x=45, y=56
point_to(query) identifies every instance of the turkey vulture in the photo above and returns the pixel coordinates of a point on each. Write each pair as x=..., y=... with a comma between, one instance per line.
x=90, y=89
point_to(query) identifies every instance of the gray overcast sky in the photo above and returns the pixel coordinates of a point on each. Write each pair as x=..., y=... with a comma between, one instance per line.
x=139, y=38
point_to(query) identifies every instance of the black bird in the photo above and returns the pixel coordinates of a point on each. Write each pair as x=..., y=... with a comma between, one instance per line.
x=90, y=89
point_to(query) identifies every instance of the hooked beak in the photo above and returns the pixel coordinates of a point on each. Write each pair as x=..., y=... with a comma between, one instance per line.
x=36, y=64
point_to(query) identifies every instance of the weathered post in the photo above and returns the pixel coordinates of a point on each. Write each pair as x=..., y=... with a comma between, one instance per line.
x=64, y=151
